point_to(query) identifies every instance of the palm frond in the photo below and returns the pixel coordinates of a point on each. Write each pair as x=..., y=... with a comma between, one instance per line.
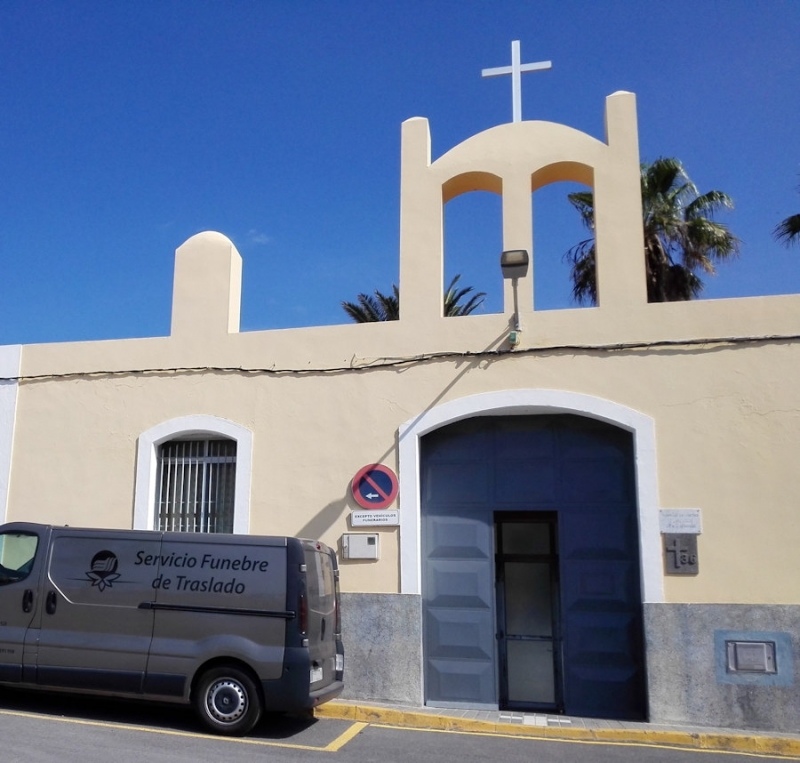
x=708, y=205
x=788, y=231
x=371, y=308
x=583, y=201
x=681, y=284
x=581, y=258
x=453, y=306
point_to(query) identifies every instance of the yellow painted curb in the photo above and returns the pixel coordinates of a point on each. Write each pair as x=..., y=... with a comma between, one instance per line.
x=785, y=747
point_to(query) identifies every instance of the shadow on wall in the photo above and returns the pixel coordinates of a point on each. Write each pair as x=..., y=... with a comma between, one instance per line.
x=328, y=517
x=323, y=520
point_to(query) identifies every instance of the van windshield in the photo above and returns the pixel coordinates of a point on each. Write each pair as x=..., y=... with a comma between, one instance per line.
x=17, y=552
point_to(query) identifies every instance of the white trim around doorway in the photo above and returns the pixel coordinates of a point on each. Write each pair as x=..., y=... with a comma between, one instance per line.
x=531, y=402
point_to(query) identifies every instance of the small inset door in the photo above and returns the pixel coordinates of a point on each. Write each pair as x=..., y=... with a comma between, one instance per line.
x=528, y=620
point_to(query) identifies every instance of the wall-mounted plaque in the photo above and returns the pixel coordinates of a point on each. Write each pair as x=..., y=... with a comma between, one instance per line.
x=680, y=521
x=680, y=554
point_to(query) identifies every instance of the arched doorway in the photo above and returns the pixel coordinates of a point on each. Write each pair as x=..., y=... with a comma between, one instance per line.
x=530, y=566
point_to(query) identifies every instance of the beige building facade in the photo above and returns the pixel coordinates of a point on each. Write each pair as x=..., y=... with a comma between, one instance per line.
x=599, y=518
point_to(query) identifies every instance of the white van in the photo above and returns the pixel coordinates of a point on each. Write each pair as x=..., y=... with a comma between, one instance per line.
x=233, y=624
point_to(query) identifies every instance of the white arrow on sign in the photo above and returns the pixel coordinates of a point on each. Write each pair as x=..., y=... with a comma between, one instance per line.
x=371, y=495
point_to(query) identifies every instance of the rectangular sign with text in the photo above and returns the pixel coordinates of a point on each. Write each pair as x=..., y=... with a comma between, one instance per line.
x=685, y=521
x=387, y=517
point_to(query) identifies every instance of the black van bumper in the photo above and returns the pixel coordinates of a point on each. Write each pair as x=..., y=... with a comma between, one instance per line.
x=289, y=697
x=292, y=692
x=331, y=691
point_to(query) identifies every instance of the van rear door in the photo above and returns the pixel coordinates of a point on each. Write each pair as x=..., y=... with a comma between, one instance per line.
x=323, y=626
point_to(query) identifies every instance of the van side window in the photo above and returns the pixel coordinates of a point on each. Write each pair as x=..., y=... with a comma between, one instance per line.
x=17, y=552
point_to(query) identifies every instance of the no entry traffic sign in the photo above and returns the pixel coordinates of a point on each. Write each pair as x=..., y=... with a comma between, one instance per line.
x=374, y=486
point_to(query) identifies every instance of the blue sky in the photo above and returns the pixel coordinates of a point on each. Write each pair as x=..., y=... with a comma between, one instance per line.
x=127, y=127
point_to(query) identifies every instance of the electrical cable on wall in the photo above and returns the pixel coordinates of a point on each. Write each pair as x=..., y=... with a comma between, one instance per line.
x=387, y=363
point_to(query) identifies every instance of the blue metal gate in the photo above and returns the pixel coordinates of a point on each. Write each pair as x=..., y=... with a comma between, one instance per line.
x=580, y=472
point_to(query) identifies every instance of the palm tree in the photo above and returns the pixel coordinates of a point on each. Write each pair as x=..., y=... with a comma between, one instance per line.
x=680, y=238
x=386, y=307
x=380, y=307
x=788, y=231
x=453, y=306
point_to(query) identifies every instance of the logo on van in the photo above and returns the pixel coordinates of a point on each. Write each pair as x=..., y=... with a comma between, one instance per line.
x=104, y=569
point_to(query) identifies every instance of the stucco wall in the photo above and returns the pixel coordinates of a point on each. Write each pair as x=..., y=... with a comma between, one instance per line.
x=726, y=427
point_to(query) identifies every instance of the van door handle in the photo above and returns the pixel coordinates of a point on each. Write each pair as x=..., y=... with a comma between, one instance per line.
x=27, y=600
x=50, y=603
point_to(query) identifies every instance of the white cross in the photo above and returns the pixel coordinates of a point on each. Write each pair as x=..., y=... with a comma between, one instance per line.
x=515, y=70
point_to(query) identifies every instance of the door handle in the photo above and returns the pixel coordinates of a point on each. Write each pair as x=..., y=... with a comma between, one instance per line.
x=27, y=600
x=50, y=603
x=499, y=635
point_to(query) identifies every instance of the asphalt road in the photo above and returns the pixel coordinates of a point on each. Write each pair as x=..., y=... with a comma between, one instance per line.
x=40, y=728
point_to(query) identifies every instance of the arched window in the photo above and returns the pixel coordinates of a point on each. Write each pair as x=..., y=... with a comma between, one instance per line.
x=193, y=475
x=196, y=486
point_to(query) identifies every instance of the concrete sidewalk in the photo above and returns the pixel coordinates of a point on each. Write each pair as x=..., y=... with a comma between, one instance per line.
x=559, y=727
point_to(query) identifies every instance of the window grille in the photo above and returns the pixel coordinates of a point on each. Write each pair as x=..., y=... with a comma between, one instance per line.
x=196, y=480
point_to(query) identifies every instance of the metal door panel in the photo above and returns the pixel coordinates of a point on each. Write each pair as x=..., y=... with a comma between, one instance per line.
x=456, y=484
x=524, y=482
x=457, y=538
x=471, y=684
x=601, y=533
x=457, y=635
x=603, y=679
x=592, y=584
x=459, y=583
x=458, y=625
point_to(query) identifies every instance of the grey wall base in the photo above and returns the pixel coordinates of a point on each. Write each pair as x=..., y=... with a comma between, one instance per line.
x=687, y=679
x=382, y=636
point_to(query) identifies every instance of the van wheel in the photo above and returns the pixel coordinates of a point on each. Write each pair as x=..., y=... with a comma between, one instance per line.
x=227, y=701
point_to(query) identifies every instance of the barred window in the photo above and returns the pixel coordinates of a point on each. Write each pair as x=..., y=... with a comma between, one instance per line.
x=196, y=481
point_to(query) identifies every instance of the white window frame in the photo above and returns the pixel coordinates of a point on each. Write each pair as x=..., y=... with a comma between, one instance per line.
x=194, y=426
